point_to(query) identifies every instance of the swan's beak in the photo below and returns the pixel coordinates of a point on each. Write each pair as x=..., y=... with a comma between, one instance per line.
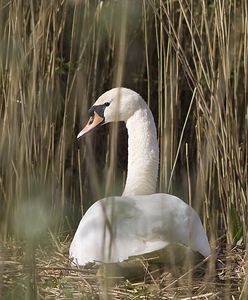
x=93, y=122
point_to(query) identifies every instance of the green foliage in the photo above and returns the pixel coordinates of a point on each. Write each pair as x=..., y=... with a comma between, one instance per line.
x=236, y=228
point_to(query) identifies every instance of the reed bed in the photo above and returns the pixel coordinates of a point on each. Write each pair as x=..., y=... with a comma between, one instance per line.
x=53, y=279
x=189, y=60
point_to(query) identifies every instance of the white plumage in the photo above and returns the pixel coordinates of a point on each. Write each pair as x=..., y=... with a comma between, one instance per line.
x=139, y=222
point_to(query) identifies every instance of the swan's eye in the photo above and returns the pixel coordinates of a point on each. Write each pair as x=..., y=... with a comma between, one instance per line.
x=99, y=109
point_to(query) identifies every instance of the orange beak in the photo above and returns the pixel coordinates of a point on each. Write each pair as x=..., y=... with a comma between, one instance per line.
x=93, y=122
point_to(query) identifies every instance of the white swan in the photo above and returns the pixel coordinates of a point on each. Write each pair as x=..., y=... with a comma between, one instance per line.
x=139, y=222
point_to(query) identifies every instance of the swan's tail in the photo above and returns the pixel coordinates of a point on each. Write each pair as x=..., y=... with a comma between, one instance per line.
x=198, y=238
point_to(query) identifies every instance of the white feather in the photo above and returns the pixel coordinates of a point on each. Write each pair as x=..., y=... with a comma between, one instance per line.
x=116, y=228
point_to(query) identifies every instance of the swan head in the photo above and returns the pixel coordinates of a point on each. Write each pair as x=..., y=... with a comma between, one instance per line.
x=117, y=104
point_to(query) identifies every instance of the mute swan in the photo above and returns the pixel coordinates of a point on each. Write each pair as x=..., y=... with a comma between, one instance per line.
x=139, y=222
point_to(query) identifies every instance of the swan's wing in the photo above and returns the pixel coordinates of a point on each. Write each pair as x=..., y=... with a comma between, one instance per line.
x=112, y=230
x=116, y=228
x=166, y=219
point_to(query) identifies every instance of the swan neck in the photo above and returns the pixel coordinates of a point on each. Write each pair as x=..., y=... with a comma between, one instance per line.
x=143, y=154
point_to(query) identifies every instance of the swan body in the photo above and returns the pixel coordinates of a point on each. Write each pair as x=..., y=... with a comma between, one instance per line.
x=116, y=228
x=139, y=222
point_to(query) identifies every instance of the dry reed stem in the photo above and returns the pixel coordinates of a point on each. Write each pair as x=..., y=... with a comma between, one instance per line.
x=56, y=58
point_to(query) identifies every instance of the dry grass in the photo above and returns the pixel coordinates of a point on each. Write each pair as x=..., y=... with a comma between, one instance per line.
x=189, y=59
x=53, y=279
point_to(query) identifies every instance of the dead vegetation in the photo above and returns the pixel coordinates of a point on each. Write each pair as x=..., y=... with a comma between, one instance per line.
x=188, y=59
x=53, y=278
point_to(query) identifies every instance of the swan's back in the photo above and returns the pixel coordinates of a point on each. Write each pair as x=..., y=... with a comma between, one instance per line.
x=116, y=228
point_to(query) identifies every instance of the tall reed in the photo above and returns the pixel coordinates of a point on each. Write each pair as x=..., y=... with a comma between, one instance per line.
x=188, y=59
